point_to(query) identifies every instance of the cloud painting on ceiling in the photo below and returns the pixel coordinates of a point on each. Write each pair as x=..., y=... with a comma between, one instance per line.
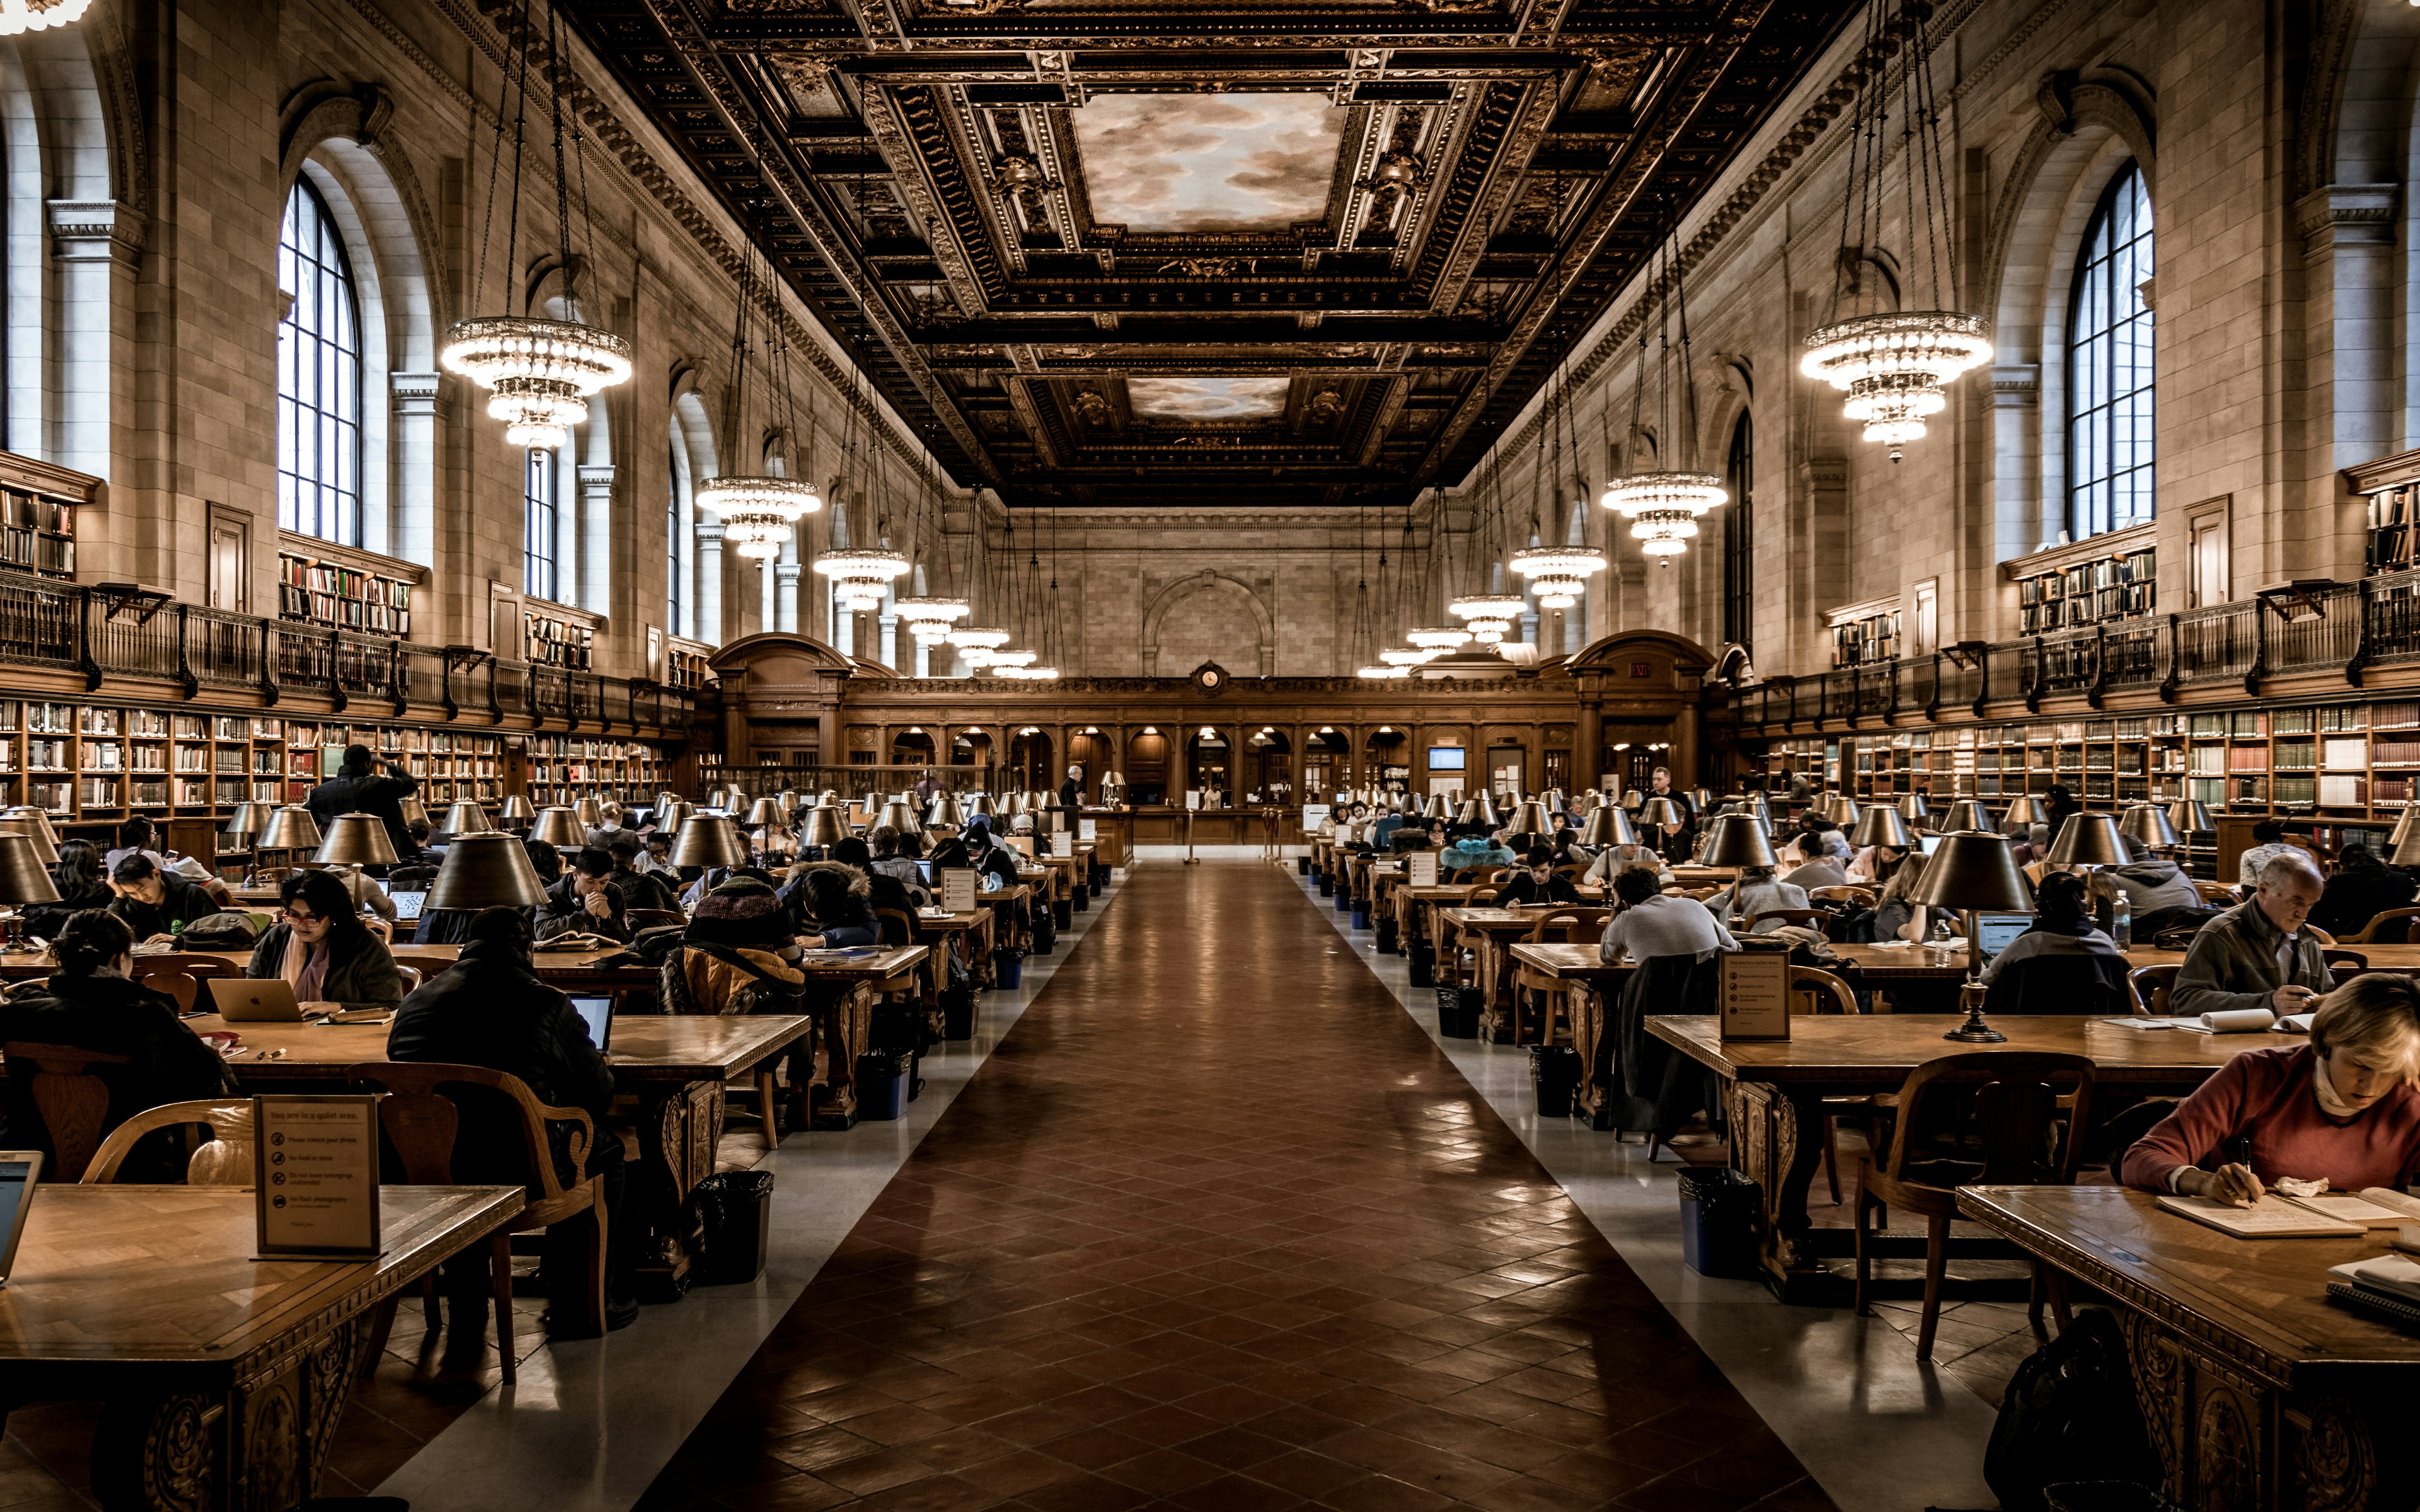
x=1189, y=399
x=1208, y=162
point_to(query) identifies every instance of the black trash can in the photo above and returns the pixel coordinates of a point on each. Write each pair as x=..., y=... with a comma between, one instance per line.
x=1063, y=913
x=1458, y=1012
x=1328, y=884
x=1387, y=934
x=1423, y=959
x=958, y=1013
x=882, y=1086
x=2105, y=1496
x=1302, y=865
x=1717, y=1221
x=1555, y=1071
x=736, y=1209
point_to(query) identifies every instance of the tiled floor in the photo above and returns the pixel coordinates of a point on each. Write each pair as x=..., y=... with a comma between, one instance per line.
x=1217, y=1226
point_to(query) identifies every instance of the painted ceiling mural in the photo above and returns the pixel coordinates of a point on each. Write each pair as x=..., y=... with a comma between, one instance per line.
x=1147, y=252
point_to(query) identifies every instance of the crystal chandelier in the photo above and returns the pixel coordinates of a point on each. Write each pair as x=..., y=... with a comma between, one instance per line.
x=1019, y=659
x=1663, y=508
x=757, y=514
x=973, y=640
x=929, y=619
x=1664, y=505
x=1395, y=656
x=1381, y=671
x=1488, y=618
x=1893, y=363
x=861, y=578
x=1438, y=637
x=539, y=372
x=1558, y=575
x=18, y=17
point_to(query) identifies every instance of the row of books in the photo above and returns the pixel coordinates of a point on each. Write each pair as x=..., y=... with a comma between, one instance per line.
x=323, y=593
x=554, y=644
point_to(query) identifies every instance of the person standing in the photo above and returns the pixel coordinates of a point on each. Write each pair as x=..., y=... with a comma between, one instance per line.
x=1071, y=793
x=359, y=788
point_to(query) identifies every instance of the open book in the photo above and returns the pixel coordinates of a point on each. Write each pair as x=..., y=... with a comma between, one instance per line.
x=2272, y=1217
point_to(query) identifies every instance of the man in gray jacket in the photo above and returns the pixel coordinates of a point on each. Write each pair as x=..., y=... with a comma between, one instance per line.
x=2257, y=954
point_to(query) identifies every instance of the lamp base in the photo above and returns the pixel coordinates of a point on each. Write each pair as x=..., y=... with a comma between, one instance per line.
x=1975, y=1031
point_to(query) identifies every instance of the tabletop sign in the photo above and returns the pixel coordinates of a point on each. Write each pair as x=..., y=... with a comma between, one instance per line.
x=1419, y=869
x=1754, y=995
x=1088, y=831
x=958, y=889
x=1314, y=815
x=1062, y=843
x=1194, y=797
x=315, y=1178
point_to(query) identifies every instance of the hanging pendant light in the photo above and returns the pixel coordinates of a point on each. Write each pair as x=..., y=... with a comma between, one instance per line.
x=1558, y=574
x=759, y=512
x=1439, y=638
x=929, y=619
x=861, y=578
x=1488, y=617
x=976, y=642
x=1382, y=671
x=539, y=372
x=1019, y=672
x=18, y=17
x=1893, y=364
x=1664, y=504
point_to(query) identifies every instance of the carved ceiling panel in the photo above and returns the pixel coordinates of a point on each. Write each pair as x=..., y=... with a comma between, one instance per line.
x=1175, y=251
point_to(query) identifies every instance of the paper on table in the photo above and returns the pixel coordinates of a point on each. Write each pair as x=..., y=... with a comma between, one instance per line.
x=2269, y=1218
x=2389, y=1273
x=2294, y=1024
x=2237, y=1021
x=2346, y=1207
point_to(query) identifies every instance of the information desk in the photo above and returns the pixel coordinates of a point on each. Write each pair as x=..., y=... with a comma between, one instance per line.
x=2258, y=1391
x=223, y=1378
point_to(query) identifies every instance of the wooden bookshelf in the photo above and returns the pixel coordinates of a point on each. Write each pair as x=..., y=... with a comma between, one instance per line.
x=318, y=590
x=1863, y=634
x=38, y=504
x=555, y=643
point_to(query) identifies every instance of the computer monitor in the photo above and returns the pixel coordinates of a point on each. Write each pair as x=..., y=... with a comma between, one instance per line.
x=597, y=1014
x=1930, y=842
x=1993, y=931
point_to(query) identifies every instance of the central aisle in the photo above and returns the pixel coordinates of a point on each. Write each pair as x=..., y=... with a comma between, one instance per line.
x=1217, y=1226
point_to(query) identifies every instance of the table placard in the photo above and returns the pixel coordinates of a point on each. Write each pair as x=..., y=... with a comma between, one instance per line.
x=1754, y=995
x=1420, y=869
x=315, y=1178
x=958, y=889
x=1088, y=831
x=1192, y=798
x=1314, y=815
x=1062, y=843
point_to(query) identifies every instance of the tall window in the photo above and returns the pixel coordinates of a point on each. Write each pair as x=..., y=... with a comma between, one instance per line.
x=318, y=378
x=1739, y=535
x=540, y=516
x=672, y=543
x=2109, y=374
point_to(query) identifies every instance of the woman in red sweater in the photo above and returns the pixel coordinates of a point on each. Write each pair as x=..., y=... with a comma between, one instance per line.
x=2343, y=1106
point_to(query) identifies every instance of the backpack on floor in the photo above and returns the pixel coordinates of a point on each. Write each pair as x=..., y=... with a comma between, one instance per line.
x=2071, y=1414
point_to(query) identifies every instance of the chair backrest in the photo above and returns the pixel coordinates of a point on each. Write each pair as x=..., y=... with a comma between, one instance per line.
x=1571, y=926
x=422, y=1116
x=2009, y=1120
x=1813, y=990
x=409, y=976
x=199, y=968
x=1814, y=918
x=1483, y=896
x=2341, y=959
x=2061, y=984
x=895, y=926
x=1499, y=876
x=230, y=1125
x=72, y=1097
x=1862, y=897
x=651, y=917
x=2319, y=934
x=2388, y=926
x=2151, y=986
x=169, y=979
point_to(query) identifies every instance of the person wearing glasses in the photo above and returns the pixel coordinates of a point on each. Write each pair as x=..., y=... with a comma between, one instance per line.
x=324, y=951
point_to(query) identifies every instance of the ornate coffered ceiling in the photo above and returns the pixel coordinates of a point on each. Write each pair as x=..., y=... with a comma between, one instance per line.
x=1193, y=252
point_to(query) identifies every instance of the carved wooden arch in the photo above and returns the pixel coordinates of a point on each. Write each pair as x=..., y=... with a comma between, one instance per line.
x=326, y=111
x=1207, y=580
x=1685, y=653
x=2068, y=107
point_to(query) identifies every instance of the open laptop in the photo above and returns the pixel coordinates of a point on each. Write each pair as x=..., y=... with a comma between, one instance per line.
x=243, y=1000
x=19, y=1170
x=1992, y=932
x=407, y=906
x=597, y=1014
x=1930, y=842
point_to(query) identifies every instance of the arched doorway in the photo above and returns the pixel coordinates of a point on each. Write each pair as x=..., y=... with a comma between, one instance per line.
x=1387, y=761
x=1030, y=765
x=1271, y=768
x=1327, y=764
x=1147, y=766
x=912, y=747
x=1209, y=764
x=972, y=747
x=1096, y=753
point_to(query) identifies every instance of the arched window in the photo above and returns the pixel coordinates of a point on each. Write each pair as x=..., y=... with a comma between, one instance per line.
x=2109, y=377
x=1739, y=535
x=318, y=376
x=542, y=514
x=672, y=541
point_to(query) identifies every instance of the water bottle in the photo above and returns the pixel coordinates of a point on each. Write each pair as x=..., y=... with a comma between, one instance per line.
x=2121, y=921
x=1940, y=943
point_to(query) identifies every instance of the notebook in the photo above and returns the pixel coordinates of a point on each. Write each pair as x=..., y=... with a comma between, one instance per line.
x=2272, y=1217
x=242, y=1000
x=597, y=1014
x=19, y=1170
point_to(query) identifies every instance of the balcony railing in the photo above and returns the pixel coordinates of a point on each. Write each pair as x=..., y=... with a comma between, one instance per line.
x=81, y=629
x=2343, y=627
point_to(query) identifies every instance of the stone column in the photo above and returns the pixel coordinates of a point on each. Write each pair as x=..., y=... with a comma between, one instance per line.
x=710, y=582
x=785, y=596
x=887, y=637
x=2349, y=262
x=2022, y=518
x=593, y=533
x=95, y=248
x=415, y=406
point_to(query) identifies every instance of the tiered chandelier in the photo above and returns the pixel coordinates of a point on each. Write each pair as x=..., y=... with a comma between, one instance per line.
x=861, y=578
x=1893, y=364
x=929, y=619
x=1558, y=575
x=539, y=372
x=759, y=512
x=17, y=17
x=1439, y=638
x=975, y=643
x=1664, y=505
x=1486, y=618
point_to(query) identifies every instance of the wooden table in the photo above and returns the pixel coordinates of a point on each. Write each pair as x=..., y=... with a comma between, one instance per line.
x=1773, y=1092
x=845, y=1026
x=978, y=926
x=2259, y=1392
x=574, y=971
x=1490, y=933
x=224, y=1377
x=1419, y=909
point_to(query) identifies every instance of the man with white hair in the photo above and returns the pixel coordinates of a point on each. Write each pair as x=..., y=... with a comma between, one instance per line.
x=2257, y=954
x=1071, y=793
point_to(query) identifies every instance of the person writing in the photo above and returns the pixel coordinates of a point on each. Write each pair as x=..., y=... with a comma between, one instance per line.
x=1615, y=859
x=322, y=949
x=155, y=904
x=1652, y=922
x=1537, y=882
x=2257, y=954
x=357, y=788
x=2343, y=1106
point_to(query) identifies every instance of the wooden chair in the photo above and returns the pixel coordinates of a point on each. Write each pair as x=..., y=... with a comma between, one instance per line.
x=2014, y=1114
x=176, y=983
x=1813, y=990
x=227, y=1126
x=2351, y=960
x=1814, y=918
x=2319, y=934
x=422, y=1125
x=2151, y=986
x=2215, y=893
x=653, y=917
x=1862, y=897
x=1561, y=925
x=2399, y=922
x=894, y=926
x=71, y=1096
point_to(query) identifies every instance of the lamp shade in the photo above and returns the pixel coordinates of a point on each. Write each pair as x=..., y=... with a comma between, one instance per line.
x=1531, y=818
x=1972, y=870
x=2405, y=852
x=1761, y=812
x=1479, y=809
x=466, y=818
x=411, y=808
x=768, y=812
x=248, y=818
x=2089, y=839
x=671, y=814
x=1967, y=813
x=1702, y=797
x=788, y=800
x=1607, y=826
x=1663, y=812
x=825, y=826
x=356, y=839
x=1838, y=808
x=44, y=851
x=290, y=828
x=560, y=828
x=1439, y=807
x=589, y=813
x=945, y=813
x=1734, y=840
x=707, y=839
x=486, y=869
x=1913, y=808
x=2148, y=824
x=899, y=814
x=24, y=878
x=41, y=822
x=2024, y=813
x=2191, y=818
x=1880, y=825
x=982, y=804
x=517, y=809
x=1630, y=800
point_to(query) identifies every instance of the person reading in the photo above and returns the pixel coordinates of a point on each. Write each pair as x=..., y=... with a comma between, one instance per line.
x=2257, y=954
x=1537, y=882
x=1652, y=922
x=324, y=951
x=2342, y=1106
x=155, y=903
x=584, y=900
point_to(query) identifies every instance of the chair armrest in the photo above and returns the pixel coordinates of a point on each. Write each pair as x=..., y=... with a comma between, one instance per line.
x=584, y=1139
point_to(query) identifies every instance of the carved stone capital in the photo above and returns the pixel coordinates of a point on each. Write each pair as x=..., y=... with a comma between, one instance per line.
x=596, y=479
x=96, y=230
x=416, y=393
x=2016, y=386
x=2346, y=215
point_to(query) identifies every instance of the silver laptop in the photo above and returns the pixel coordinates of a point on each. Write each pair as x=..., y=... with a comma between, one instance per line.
x=243, y=1000
x=597, y=1014
x=407, y=906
